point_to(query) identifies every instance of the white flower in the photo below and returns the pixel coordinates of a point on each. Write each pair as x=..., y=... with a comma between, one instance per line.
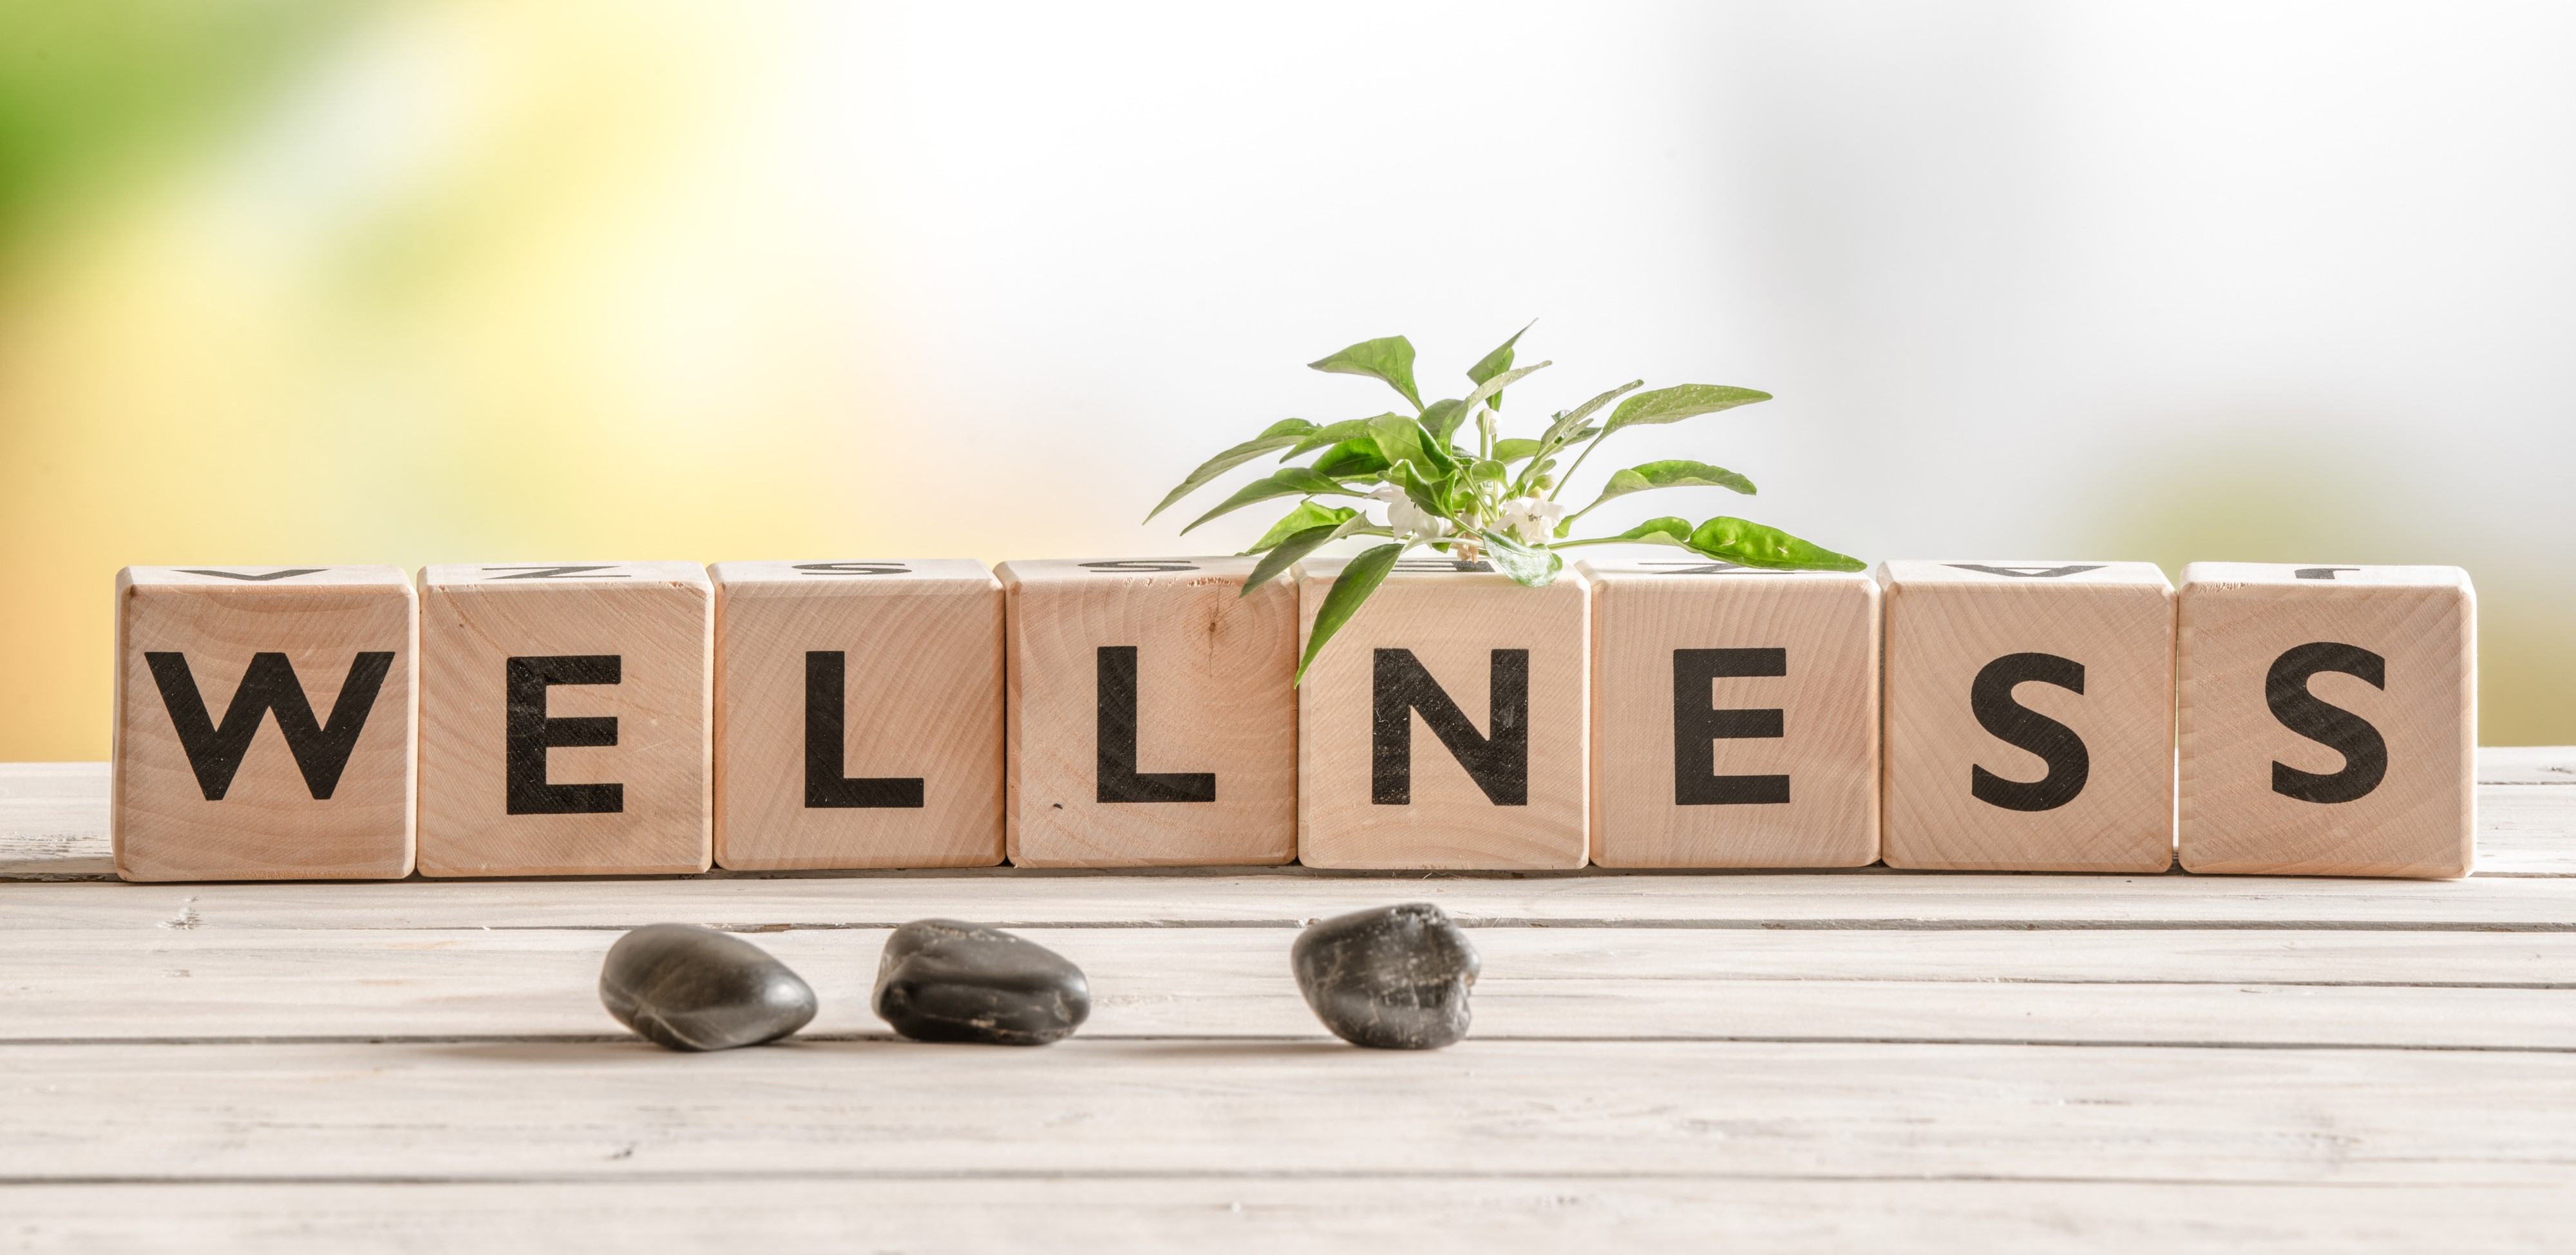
x=1406, y=519
x=1531, y=519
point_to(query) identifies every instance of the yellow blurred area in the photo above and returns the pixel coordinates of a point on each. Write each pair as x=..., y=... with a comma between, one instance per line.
x=464, y=281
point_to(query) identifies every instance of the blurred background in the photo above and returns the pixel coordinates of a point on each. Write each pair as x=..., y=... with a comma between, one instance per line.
x=406, y=281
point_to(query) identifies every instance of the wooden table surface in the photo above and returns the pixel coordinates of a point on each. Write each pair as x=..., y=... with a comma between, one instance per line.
x=1772, y=1061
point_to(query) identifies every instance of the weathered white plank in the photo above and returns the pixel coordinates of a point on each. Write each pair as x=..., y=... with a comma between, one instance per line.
x=2276, y=988
x=1271, y=899
x=629, y=1111
x=53, y=817
x=2526, y=830
x=1192, y=1215
x=2527, y=764
x=53, y=820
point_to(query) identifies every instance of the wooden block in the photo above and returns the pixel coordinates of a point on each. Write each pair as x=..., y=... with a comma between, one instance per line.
x=264, y=723
x=1151, y=721
x=566, y=718
x=1443, y=727
x=2029, y=716
x=860, y=710
x=1734, y=715
x=2328, y=719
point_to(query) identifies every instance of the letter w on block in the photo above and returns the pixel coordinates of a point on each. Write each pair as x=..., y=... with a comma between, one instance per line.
x=215, y=751
x=1498, y=760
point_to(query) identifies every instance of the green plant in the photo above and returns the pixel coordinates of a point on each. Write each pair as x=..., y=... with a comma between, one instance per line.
x=1472, y=503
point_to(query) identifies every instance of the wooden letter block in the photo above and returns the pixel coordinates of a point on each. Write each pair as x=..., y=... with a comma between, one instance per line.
x=2029, y=716
x=1152, y=722
x=1734, y=715
x=565, y=718
x=2329, y=720
x=1443, y=726
x=861, y=714
x=264, y=723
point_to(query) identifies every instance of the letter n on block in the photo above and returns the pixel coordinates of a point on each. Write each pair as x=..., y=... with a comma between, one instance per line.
x=2328, y=719
x=566, y=718
x=1151, y=717
x=1734, y=715
x=861, y=714
x=2029, y=716
x=1443, y=726
x=264, y=723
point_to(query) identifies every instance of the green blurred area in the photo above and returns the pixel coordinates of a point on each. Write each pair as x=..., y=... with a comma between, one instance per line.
x=2276, y=498
x=96, y=93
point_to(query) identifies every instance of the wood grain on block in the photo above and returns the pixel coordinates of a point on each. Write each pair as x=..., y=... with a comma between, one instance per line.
x=859, y=714
x=264, y=723
x=1152, y=720
x=1734, y=715
x=2328, y=719
x=566, y=718
x=1443, y=727
x=2029, y=716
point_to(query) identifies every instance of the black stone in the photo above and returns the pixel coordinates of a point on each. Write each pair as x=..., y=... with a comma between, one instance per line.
x=692, y=988
x=948, y=980
x=1395, y=978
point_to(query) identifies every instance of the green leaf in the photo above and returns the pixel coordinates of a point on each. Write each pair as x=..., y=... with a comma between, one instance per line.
x=1292, y=548
x=1390, y=359
x=1562, y=431
x=1497, y=362
x=1285, y=554
x=1529, y=566
x=1489, y=470
x=1494, y=387
x=1351, y=459
x=1752, y=544
x=1668, y=530
x=1292, y=481
x=1308, y=514
x=1331, y=434
x=1677, y=473
x=1510, y=451
x=1400, y=439
x=1286, y=431
x=1350, y=589
x=1665, y=405
x=1442, y=419
x=1424, y=493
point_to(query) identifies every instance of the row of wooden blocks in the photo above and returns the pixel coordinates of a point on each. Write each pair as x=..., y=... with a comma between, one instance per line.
x=648, y=717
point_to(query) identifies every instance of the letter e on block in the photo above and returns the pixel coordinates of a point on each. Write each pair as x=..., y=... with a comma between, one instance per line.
x=264, y=723
x=1734, y=715
x=1151, y=721
x=2029, y=716
x=566, y=718
x=860, y=714
x=1443, y=726
x=2328, y=719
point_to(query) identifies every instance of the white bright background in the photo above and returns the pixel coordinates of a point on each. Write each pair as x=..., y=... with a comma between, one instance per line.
x=2173, y=281
x=588, y=279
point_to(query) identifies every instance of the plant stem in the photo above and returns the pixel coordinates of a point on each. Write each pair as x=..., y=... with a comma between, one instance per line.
x=1568, y=476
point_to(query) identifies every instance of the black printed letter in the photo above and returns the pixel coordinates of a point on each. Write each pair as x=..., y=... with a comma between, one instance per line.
x=1697, y=727
x=321, y=750
x=1497, y=762
x=826, y=691
x=1119, y=779
x=2365, y=752
x=531, y=734
x=1991, y=697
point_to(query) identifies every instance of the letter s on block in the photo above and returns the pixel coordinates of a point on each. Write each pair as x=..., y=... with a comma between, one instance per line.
x=1991, y=697
x=2365, y=752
